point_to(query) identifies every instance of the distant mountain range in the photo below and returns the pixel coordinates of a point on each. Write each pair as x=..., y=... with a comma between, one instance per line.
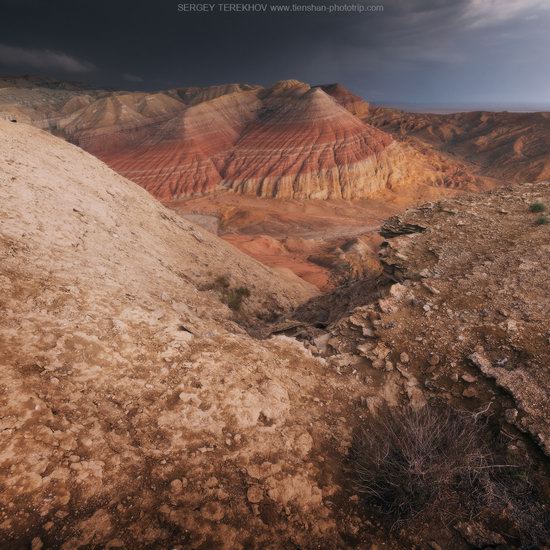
x=290, y=140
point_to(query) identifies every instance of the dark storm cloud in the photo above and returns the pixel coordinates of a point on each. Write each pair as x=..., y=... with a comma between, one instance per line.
x=42, y=59
x=132, y=77
x=426, y=51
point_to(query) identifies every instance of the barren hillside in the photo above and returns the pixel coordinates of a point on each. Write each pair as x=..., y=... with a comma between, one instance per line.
x=460, y=318
x=505, y=145
x=135, y=411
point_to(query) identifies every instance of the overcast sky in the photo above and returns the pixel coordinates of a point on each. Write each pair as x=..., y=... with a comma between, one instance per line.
x=423, y=52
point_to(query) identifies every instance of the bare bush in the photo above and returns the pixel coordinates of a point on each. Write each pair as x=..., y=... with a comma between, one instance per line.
x=444, y=464
x=537, y=207
x=406, y=460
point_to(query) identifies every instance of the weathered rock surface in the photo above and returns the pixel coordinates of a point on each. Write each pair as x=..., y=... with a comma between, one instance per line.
x=309, y=147
x=353, y=103
x=459, y=318
x=468, y=304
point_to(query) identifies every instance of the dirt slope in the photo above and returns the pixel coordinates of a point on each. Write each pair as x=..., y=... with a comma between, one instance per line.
x=135, y=412
x=470, y=296
x=459, y=317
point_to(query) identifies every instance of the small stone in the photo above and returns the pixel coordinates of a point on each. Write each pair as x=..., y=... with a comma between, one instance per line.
x=512, y=325
x=478, y=535
x=404, y=357
x=398, y=291
x=469, y=378
x=211, y=482
x=115, y=543
x=386, y=305
x=373, y=315
x=176, y=486
x=470, y=392
x=511, y=415
x=480, y=361
x=389, y=366
x=434, y=360
x=321, y=342
x=213, y=511
x=364, y=350
x=36, y=543
x=255, y=494
x=431, y=289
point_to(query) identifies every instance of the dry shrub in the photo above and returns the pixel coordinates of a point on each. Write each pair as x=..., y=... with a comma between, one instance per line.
x=444, y=464
x=232, y=297
x=522, y=514
x=408, y=459
x=537, y=207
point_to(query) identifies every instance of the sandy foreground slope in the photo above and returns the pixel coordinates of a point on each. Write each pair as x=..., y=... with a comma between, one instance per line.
x=134, y=410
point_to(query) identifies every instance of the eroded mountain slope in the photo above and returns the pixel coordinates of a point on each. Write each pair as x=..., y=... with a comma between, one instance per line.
x=505, y=145
x=137, y=413
x=460, y=319
x=287, y=141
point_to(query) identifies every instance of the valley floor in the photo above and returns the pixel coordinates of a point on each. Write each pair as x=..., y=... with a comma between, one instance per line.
x=312, y=239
